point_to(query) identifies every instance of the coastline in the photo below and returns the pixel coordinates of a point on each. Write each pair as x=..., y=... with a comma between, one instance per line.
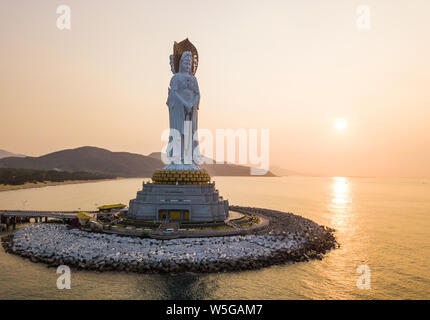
x=30, y=185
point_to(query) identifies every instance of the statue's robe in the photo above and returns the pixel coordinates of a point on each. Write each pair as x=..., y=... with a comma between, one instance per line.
x=176, y=107
x=178, y=115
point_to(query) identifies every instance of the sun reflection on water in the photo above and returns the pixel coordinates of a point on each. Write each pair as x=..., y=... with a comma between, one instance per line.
x=341, y=191
x=341, y=203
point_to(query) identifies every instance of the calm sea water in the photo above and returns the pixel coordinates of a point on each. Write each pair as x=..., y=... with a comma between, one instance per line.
x=381, y=223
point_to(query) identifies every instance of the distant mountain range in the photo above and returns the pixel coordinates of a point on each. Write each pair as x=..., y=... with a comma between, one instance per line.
x=90, y=159
x=120, y=164
x=5, y=154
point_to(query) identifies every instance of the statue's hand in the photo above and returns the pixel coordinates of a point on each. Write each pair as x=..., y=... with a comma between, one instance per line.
x=188, y=107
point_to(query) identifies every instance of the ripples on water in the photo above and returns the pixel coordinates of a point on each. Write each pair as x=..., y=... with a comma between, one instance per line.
x=382, y=223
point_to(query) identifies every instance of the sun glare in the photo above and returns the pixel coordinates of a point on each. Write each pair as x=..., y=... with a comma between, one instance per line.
x=340, y=124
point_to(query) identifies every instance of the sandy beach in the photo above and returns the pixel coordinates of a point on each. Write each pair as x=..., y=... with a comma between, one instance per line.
x=29, y=185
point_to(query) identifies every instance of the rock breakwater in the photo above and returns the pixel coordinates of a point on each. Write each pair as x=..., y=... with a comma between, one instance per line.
x=56, y=244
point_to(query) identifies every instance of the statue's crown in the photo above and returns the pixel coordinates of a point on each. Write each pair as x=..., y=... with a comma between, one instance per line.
x=179, y=49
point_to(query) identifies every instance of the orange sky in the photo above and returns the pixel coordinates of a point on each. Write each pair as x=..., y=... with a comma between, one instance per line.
x=290, y=66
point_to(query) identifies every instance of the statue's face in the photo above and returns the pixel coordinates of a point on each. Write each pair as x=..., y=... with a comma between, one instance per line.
x=186, y=62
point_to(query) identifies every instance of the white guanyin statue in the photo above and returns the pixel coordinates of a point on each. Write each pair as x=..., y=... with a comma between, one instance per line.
x=183, y=102
x=181, y=191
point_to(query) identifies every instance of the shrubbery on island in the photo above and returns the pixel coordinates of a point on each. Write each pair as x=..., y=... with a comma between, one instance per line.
x=16, y=176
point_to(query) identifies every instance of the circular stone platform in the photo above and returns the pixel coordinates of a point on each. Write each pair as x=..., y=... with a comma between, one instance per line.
x=232, y=215
x=57, y=244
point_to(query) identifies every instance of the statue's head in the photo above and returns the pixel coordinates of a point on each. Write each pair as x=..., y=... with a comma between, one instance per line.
x=186, y=62
x=178, y=53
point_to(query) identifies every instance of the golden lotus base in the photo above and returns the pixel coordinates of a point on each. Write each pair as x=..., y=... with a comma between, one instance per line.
x=181, y=177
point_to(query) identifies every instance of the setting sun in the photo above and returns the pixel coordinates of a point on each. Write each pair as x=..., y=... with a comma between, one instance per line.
x=340, y=124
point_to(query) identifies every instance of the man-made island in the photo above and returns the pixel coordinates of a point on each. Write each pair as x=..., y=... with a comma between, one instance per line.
x=286, y=238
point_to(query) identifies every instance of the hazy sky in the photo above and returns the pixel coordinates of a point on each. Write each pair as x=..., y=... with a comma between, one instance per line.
x=290, y=66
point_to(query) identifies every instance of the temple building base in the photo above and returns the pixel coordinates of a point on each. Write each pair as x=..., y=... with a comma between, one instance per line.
x=179, y=196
